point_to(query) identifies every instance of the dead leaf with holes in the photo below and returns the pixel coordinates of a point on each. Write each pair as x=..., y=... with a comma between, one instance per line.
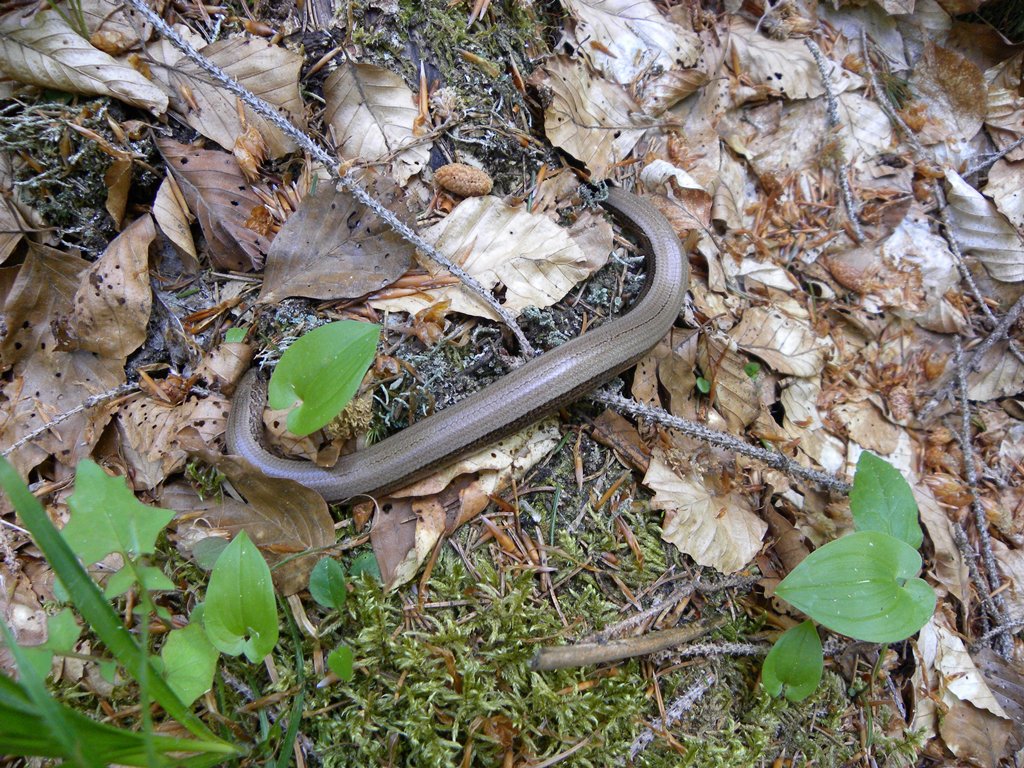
x=983, y=232
x=439, y=504
x=334, y=248
x=787, y=345
x=48, y=53
x=590, y=118
x=536, y=260
x=269, y=71
x=149, y=428
x=237, y=226
x=717, y=529
x=373, y=116
x=112, y=304
x=45, y=381
x=625, y=40
x=786, y=66
x=283, y=518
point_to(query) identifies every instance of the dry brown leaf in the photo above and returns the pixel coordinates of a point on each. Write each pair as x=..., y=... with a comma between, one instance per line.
x=149, y=431
x=734, y=393
x=983, y=232
x=717, y=531
x=283, y=518
x=48, y=53
x=620, y=434
x=952, y=94
x=537, y=261
x=625, y=39
x=225, y=364
x=1011, y=564
x=669, y=88
x=113, y=301
x=803, y=423
x=867, y=426
x=1005, y=102
x=114, y=27
x=787, y=345
x=949, y=567
x=373, y=116
x=333, y=248
x=269, y=71
x=219, y=195
x=591, y=119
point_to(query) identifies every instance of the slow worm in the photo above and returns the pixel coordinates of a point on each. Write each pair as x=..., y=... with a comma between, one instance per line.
x=528, y=393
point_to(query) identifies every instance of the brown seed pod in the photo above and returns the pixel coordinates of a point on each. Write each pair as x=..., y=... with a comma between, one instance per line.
x=463, y=180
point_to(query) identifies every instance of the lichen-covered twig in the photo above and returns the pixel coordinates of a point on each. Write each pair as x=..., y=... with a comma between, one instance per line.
x=997, y=609
x=724, y=440
x=330, y=162
x=832, y=110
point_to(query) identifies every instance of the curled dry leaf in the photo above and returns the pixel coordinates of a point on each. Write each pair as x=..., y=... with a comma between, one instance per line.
x=536, y=260
x=217, y=192
x=48, y=53
x=463, y=180
x=591, y=119
x=1000, y=374
x=787, y=345
x=717, y=531
x=269, y=71
x=983, y=232
x=373, y=116
x=333, y=248
x=173, y=217
x=1006, y=188
x=625, y=39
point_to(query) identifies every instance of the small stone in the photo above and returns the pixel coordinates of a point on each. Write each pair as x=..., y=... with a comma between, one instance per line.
x=463, y=180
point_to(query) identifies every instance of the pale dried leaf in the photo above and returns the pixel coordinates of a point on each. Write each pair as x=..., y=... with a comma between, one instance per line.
x=787, y=345
x=669, y=88
x=114, y=27
x=720, y=532
x=734, y=393
x=803, y=423
x=866, y=130
x=1006, y=189
x=999, y=375
x=333, y=248
x=949, y=567
x=868, y=426
x=1011, y=564
x=269, y=71
x=624, y=39
x=48, y=53
x=785, y=66
x=537, y=261
x=173, y=217
x=983, y=232
x=591, y=119
x=373, y=116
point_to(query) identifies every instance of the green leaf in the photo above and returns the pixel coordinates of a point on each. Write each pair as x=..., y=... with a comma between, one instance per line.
x=752, y=369
x=703, y=385
x=862, y=586
x=340, y=662
x=189, y=662
x=106, y=517
x=365, y=563
x=240, y=615
x=235, y=335
x=94, y=609
x=321, y=372
x=794, y=664
x=62, y=632
x=881, y=500
x=327, y=583
x=206, y=551
x=153, y=579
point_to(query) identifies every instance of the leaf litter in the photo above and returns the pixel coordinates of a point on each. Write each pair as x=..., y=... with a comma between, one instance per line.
x=725, y=120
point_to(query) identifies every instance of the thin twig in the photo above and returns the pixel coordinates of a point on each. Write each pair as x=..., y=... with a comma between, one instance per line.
x=673, y=714
x=724, y=440
x=330, y=163
x=88, y=403
x=990, y=159
x=832, y=110
x=998, y=333
x=998, y=608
